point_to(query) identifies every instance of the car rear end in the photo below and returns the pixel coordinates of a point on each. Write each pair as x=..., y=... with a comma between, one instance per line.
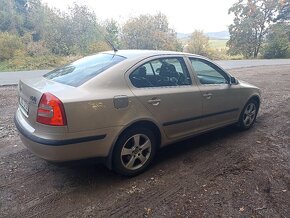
x=56, y=120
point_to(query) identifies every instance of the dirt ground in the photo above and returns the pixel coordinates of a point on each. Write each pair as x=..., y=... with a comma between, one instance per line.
x=225, y=173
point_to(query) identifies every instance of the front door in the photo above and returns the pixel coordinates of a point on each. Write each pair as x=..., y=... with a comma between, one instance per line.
x=220, y=99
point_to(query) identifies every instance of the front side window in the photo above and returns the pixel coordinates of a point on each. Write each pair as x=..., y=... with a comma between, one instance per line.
x=161, y=72
x=207, y=72
x=84, y=69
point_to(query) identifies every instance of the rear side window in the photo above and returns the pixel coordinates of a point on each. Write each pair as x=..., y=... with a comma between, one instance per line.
x=82, y=70
x=161, y=72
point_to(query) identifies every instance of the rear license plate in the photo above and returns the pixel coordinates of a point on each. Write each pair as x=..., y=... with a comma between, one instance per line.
x=24, y=105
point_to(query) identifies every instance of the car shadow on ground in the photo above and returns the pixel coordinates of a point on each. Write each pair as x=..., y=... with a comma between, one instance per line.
x=88, y=172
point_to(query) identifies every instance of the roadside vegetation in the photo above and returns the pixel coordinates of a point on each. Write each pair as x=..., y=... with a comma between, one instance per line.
x=260, y=28
x=34, y=36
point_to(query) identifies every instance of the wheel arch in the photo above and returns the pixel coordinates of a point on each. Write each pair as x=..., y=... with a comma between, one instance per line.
x=140, y=123
x=255, y=98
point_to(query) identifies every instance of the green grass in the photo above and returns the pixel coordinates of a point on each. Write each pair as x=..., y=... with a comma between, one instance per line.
x=218, y=43
x=36, y=63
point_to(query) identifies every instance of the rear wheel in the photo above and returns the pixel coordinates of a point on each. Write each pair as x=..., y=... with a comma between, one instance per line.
x=248, y=115
x=134, y=151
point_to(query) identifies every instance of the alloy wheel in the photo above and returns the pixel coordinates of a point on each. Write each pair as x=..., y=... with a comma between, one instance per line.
x=249, y=114
x=136, y=151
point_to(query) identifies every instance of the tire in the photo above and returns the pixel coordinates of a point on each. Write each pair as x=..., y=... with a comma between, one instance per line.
x=134, y=151
x=248, y=115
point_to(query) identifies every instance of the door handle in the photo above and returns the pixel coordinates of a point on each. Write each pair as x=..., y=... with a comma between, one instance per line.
x=154, y=101
x=207, y=95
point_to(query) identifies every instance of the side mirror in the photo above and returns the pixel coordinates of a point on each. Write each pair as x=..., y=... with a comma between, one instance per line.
x=233, y=81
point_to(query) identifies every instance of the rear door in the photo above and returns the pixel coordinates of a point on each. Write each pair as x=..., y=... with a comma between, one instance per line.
x=220, y=99
x=165, y=87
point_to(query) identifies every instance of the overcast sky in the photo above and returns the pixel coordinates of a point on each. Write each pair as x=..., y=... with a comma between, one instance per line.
x=183, y=15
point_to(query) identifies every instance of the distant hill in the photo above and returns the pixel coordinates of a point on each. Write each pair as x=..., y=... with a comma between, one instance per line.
x=218, y=35
x=211, y=35
x=183, y=35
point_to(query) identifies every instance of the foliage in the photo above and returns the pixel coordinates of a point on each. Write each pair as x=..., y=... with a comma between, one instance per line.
x=112, y=32
x=277, y=41
x=251, y=22
x=98, y=46
x=149, y=32
x=218, y=44
x=65, y=34
x=25, y=62
x=10, y=44
x=198, y=43
x=12, y=16
x=81, y=29
x=32, y=35
x=284, y=12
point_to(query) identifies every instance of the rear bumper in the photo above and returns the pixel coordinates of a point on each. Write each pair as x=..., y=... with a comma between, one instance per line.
x=62, y=149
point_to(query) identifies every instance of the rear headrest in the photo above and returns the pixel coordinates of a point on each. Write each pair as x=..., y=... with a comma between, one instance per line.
x=172, y=68
x=164, y=70
x=142, y=71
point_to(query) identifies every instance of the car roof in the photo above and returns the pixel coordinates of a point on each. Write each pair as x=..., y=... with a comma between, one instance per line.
x=144, y=53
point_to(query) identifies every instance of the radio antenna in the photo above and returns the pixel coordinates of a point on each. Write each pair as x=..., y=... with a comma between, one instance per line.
x=107, y=40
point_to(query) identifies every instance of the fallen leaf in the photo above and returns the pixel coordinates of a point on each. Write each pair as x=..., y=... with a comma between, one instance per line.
x=148, y=210
x=242, y=209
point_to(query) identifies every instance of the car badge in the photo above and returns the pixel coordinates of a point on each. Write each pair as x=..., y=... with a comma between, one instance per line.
x=33, y=99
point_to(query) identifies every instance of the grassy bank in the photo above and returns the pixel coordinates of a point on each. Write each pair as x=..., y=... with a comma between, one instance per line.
x=35, y=63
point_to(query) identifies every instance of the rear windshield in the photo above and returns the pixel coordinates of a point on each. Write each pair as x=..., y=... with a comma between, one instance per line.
x=82, y=70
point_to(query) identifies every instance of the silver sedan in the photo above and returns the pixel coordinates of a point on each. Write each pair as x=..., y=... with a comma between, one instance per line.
x=122, y=106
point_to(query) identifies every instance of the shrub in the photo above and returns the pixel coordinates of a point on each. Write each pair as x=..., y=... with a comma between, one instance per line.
x=9, y=45
x=277, y=41
x=37, y=48
x=99, y=46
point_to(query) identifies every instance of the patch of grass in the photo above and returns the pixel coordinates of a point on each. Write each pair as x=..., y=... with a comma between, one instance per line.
x=46, y=62
x=218, y=48
x=218, y=43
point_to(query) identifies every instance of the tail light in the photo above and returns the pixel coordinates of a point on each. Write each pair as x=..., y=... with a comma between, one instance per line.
x=51, y=111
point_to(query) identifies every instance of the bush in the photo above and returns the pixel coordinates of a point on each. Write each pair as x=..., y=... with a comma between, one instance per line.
x=37, y=48
x=98, y=46
x=277, y=41
x=10, y=45
x=25, y=62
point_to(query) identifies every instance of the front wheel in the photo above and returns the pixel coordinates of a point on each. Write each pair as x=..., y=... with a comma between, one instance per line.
x=248, y=115
x=134, y=151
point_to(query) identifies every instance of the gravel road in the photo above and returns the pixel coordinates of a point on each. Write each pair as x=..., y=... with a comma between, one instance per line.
x=225, y=173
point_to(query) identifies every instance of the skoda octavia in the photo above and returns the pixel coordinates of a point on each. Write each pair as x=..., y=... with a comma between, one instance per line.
x=122, y=106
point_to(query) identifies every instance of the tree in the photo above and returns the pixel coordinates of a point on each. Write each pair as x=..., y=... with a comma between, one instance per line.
x=284, y=13
x=277, y=41
x=12, y=16
x=64, y=33
x=251, y=23
x=113, y=32
x=82, y=24
x=198, y=43
x=149, y=32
